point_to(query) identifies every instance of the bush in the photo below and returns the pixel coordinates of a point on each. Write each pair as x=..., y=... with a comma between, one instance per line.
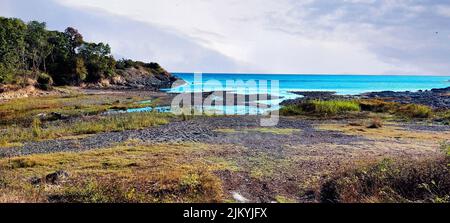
x=376, y=123
x=445, y=117
x=36, y=127
x=376, y=105
x=406, y=111
x=291, y=110
x=388, y=181
x=5, y=75
x=80, y=70
x=415, y=111
x=44, y=81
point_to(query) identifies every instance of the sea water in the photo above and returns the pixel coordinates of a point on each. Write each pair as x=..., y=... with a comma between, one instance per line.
x=288, y=83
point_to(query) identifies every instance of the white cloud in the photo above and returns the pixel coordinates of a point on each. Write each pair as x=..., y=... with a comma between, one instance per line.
x=443, y=10
x=283, y=36
x=238, y=29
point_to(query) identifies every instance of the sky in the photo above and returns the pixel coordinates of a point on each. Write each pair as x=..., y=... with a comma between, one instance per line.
x=261, y=36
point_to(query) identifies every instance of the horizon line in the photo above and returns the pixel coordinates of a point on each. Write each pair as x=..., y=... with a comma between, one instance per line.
x=316, y=74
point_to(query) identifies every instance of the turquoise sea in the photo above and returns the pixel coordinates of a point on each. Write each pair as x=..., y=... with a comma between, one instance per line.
x=341, y=84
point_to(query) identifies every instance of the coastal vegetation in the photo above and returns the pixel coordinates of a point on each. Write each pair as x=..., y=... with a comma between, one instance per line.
x=34, y=119
x=139, y=171
x=32, y=54
x=342, y=107
x=322, y=108
x=13, y=135
x=391, y=181
x=130, y=172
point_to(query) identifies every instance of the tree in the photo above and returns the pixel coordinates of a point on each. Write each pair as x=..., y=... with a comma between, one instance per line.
x=80, y=70
x=38, y=47
x=98, y=59
x=12, y=48
x=75, y=39
x=67, y=66
x=56, y=57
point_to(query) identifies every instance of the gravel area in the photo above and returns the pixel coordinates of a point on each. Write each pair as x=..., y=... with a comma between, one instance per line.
x=197, y=130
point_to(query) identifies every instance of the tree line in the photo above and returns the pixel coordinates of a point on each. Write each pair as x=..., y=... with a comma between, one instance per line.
x=29, y=50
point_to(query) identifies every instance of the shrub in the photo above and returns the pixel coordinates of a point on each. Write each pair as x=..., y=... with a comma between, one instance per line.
x=291, y=110
x=18, y=163
x=443, y=117
x=6, y=76
x=388, y=181
x=376, y=105
x=376, y=123
x=80, y=70
x=36, y=127
x=415, y=111
x=44, y=81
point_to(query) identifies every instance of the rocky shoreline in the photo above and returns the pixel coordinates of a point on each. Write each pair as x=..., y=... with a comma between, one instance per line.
x=438, y=98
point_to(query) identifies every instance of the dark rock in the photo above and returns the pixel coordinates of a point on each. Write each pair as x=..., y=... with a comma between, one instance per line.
x=55, y=177
x=435, y=98
x=58, y=116
x=35, y=181
x=142, y=78
x=438, y=98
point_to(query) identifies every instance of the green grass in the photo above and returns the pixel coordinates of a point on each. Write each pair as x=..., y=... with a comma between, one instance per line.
x=340, y=107
x=322, y=108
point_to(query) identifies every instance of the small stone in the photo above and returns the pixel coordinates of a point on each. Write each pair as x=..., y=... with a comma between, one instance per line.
x=239, y=198
x=55, y=177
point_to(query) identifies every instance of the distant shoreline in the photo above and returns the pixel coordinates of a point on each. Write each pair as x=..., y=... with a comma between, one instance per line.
x=437, y=98
x=293, y=74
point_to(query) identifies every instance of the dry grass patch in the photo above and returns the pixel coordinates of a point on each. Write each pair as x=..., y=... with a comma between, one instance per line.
x=132, y=172
x=391, y=181
x=22, y=111
x=386, y=132
x=14, y=135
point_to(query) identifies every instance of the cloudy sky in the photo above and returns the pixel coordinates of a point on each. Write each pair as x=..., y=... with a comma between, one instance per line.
x=261, y=36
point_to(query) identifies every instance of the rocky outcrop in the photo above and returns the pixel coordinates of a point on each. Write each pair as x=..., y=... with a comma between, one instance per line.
x=438, y=98
x=435, y=98
x=13, y=92
x=143, y=78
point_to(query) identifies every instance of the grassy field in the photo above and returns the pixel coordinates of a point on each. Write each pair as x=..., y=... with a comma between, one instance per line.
x=367, y=155
x=130, y=172
x=34, y=119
